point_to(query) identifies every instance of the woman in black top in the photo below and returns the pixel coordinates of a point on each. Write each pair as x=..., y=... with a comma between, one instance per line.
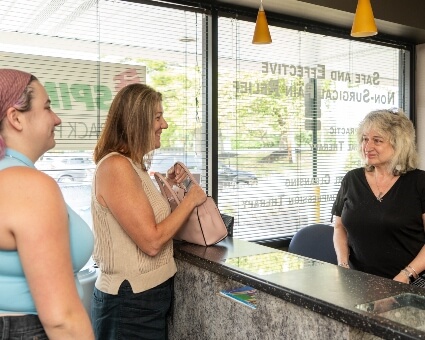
x=380, y=208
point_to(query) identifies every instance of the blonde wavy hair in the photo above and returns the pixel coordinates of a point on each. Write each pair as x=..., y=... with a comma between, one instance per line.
x=399, y=131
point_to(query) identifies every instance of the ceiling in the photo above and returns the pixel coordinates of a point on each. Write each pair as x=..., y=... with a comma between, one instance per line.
x=393, y=17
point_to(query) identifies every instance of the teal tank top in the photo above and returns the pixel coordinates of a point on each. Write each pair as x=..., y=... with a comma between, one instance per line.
x=15, y=295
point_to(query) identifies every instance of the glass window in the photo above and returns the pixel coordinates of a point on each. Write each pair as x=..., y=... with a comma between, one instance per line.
x=84, y=52
x=288, y=114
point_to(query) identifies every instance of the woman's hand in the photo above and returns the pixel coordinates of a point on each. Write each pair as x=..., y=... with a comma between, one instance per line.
x=176, y=174
x=344, y=264
x=401, y=277
x=196, y=195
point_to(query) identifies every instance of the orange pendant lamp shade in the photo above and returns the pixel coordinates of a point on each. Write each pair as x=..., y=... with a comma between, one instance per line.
x=261, y=33
x=364, y=22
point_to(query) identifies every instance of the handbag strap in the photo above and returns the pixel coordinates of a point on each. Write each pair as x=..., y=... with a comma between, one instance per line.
x=166, y=190
x=189, y=174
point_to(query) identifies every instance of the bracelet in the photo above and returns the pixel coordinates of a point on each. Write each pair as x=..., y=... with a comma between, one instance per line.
x=408, y=274
x=343, y=264
x=417, y=275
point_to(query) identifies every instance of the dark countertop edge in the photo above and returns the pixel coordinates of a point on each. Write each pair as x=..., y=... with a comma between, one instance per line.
x=361, y=320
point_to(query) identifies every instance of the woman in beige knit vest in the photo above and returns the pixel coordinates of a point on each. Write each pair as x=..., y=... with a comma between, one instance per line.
x=132, y=222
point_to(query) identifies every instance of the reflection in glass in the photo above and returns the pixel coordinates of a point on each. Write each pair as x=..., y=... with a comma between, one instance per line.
x=407, y=309
x=278, y=262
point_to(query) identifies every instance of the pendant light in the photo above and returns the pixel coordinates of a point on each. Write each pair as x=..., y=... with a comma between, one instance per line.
x=261, y=33
x=364, y=22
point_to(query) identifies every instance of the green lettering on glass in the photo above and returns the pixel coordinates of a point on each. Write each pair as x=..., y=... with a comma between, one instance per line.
x=66, y=98
x=104, y=96
x=53, y=94
x=82, y=94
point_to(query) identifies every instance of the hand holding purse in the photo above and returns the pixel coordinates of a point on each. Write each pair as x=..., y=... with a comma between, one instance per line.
x=204, y=226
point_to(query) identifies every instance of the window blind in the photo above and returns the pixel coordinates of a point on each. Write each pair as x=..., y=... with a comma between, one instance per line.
x=84, y=51
x=288, y=114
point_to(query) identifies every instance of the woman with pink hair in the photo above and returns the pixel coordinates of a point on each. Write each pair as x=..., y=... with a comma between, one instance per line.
x=43, y=243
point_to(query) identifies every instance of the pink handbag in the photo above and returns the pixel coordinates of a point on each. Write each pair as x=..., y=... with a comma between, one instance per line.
x=204, y=225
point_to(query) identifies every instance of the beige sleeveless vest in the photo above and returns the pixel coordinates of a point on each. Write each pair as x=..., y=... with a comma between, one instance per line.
x=117, y=256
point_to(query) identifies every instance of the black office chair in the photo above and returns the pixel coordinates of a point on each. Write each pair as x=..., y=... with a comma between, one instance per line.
x=316, y=242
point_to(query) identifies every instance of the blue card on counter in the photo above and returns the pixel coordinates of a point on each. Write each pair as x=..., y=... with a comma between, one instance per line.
x=245, y=295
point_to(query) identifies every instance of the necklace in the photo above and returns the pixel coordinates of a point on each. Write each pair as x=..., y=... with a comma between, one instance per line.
x=380, y=195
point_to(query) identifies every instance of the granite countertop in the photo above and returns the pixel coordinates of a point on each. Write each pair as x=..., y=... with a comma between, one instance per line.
x=345, y=295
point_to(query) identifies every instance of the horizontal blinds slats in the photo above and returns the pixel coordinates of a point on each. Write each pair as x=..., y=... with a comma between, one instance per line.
x=84, y=51
x=279, y=168
x=288, y=114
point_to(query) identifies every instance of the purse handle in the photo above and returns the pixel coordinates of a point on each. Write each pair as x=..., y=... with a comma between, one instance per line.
x=167, y=191
x=189, y=174
x=174, y=197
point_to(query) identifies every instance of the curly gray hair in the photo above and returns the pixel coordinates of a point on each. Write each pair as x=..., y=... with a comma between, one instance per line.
x=396, y=127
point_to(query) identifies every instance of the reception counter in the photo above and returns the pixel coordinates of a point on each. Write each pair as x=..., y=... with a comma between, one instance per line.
x=297, y=297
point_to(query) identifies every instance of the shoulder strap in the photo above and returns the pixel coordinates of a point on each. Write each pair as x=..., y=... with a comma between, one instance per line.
x=109, y=155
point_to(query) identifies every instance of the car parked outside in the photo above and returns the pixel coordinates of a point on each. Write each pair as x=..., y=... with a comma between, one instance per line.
x=228, y=175
x=68, y=167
